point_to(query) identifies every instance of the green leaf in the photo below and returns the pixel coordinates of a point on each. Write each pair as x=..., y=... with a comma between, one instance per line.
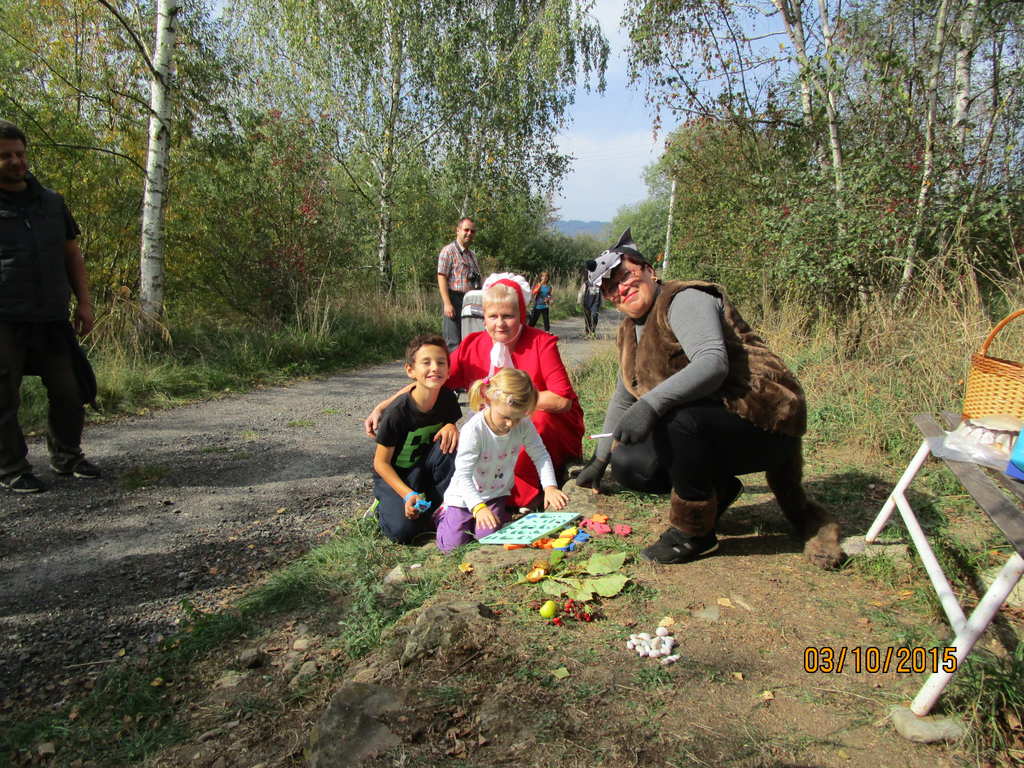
x=608, y=586
x=582, y=593
x=561, y=673
x=552, y=587
x=557, y=556
x=601, y=564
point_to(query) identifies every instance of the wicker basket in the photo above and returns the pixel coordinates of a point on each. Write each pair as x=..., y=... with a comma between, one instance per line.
x=994, y=385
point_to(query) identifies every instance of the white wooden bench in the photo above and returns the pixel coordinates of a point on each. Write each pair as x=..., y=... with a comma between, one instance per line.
x=1007, y=512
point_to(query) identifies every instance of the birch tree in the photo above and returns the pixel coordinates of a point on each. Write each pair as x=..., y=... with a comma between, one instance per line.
x=151, y=287
x=397, y=82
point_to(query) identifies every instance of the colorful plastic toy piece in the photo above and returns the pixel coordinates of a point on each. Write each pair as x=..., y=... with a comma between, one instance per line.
x=599, y=528
x=515, y=546
x=599, y=518
x=623, y=530
x=581, y=538
x=423, y=505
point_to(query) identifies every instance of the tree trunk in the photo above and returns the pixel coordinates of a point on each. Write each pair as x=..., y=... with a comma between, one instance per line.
x=668, y=227
x=792, y=18
x=151, y=290
x=928, y=160
x=964, y=55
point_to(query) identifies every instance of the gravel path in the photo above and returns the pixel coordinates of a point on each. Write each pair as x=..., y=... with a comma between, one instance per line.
x=196, y=503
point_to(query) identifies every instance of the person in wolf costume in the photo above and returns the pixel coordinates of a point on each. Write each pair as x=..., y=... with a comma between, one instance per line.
x=700, y=399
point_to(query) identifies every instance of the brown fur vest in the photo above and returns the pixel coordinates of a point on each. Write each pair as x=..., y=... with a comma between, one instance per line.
x=759, y=387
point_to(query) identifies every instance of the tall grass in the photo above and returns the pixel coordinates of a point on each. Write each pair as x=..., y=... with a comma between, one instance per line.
x=865, y=374
x=196, y=356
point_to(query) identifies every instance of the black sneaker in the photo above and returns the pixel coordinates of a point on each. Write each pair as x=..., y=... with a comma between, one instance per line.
x=673, y=547
x=82, y=468
x=24, y=482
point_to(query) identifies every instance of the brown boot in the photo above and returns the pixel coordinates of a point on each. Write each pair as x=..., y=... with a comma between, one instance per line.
x=814, y=526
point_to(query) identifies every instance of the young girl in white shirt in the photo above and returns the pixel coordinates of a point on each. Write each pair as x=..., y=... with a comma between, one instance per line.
x=477, y=500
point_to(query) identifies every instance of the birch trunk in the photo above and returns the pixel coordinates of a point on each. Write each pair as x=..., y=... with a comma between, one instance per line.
x=928, y=160
x=792, y=18
x=964, y=55
x=388, y=159
x=151, y=290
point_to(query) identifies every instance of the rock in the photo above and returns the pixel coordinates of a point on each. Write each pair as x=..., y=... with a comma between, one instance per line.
x=396, y=575
x=1016, y=596
x=302, y=644
x=711, y=613
x=229, y=679
x=351, y=728
x=252, y=658
x=928, y=729
x=448, y=624
x=856, y=545
x=306, y=670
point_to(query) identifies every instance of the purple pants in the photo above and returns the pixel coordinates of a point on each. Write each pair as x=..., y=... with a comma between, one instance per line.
x=456, y=526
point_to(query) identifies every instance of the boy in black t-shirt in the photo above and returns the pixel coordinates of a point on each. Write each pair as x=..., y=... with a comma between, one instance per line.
x=416, y=442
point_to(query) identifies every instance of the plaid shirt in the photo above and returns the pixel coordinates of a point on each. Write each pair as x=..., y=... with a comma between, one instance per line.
x=459, y=266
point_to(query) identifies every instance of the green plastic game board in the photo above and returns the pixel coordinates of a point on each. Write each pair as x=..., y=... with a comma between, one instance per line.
x=528, y=529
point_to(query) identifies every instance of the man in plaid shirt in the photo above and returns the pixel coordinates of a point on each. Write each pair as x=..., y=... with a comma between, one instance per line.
x=457, y=272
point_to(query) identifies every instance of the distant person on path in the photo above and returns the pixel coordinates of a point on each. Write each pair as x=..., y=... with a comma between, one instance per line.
x=700, y=399
x=589, y=297
x=40, y=267
x=541, y=301
x=478, y=498
x=457, y=273
x=416, y=441
x=508, y=342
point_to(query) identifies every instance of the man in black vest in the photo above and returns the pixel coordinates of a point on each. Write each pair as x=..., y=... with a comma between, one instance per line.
x=40, y=267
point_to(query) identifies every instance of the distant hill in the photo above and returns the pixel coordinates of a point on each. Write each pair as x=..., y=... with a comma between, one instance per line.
x=574, y=227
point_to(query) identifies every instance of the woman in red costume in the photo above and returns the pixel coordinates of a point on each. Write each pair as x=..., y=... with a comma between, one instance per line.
x=508, y=342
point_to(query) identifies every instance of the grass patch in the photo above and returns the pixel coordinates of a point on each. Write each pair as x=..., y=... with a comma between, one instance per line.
x=134, y=478
x=132, y=711
x=207, y=358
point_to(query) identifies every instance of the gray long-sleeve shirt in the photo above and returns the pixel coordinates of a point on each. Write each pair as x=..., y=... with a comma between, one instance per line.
x=696, y=320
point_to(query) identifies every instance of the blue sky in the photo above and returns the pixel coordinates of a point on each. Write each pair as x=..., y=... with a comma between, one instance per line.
x=610, y=136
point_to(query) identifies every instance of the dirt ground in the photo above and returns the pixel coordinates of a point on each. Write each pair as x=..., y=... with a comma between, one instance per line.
x=199, y=503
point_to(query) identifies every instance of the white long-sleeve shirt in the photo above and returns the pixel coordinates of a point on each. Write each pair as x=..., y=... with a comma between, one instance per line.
x=485, y=462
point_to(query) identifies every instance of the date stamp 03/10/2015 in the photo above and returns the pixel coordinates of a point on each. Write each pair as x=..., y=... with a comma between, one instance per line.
x=878, y=660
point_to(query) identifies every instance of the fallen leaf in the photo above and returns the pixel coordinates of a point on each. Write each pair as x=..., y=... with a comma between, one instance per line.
x=214, y=571
x=47, y=748
x=667, y=621
x=280, y=510
x=738, y=675
x=767, y=696
x=725, y=602
x=904, y=593
x=742, y=603
x=73, y=714
x=1012, y=720
x=121, y=653
x=156, y=682
x=561, y=673
x=466, y=567
x=864, y=620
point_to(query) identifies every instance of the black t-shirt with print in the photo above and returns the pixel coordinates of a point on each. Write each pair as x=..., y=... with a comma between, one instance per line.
x=410, y=431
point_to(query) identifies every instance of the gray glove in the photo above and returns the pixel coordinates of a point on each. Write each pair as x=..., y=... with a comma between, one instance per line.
x=590, y=476
x=636, y=423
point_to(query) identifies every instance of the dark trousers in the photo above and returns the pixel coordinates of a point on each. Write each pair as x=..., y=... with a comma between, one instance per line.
x=698, y=449
x=46, y=353
x=451, y=327
x=538, y=312
x=591, y=309
x=430, y=477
